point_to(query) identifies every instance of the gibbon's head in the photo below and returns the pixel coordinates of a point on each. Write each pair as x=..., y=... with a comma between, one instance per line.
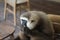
x=24, y=18
x=30, y=19
x=33, y=21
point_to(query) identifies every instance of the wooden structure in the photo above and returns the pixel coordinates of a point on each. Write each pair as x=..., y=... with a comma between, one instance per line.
x=14, y=4
x=6, y=31
x=49, y=6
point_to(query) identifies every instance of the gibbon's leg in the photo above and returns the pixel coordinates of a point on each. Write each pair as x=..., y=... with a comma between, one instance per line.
x=23, y=36
x=54, y=18
x=55, y=21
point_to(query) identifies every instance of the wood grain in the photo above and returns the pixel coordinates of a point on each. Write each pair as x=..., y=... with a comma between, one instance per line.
x=45, y=5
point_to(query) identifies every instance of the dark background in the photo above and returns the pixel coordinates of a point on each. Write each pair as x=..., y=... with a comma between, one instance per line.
x=51, y=7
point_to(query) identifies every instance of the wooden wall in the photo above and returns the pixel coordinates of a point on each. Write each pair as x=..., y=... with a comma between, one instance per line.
x=45, y=5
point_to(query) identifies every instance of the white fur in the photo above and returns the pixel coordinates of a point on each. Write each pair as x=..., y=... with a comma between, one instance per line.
x=31, y=25
x=24, y=18
x=34, y=17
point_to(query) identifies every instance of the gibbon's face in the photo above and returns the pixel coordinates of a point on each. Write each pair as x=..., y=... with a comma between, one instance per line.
x=24, y=21
x=29, y=20
x=32, y=22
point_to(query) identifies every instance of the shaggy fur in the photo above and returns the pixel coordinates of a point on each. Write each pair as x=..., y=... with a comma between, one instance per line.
x=39, y=26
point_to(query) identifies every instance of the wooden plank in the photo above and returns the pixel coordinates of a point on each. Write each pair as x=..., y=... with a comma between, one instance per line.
x=45, y=5
x=10, y=11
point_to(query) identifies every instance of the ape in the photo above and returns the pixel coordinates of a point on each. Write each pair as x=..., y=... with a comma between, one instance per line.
x=37, y=25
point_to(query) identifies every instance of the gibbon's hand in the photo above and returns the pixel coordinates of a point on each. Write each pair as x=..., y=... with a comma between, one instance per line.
x=27, y=30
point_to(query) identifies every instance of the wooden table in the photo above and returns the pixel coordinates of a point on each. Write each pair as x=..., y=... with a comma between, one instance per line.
x=6, y=31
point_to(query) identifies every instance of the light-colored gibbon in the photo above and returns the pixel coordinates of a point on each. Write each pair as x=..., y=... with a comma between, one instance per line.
x=36, y=26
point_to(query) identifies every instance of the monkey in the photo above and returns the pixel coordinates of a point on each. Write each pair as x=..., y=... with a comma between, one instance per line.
x=36, y=24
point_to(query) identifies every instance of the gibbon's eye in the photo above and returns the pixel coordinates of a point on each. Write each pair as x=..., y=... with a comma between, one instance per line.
x=32, y=21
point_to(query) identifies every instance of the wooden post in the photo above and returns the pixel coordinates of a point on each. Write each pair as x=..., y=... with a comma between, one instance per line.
x=15, y=13
x=5, y=10
x=28, y=5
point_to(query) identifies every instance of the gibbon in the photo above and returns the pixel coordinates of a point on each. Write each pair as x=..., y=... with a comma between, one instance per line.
x=37, y=25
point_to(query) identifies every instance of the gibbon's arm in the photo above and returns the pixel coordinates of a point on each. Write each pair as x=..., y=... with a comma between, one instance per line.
x=27, y=31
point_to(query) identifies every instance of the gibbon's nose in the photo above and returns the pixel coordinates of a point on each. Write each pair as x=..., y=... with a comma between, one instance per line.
x=24, y=22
